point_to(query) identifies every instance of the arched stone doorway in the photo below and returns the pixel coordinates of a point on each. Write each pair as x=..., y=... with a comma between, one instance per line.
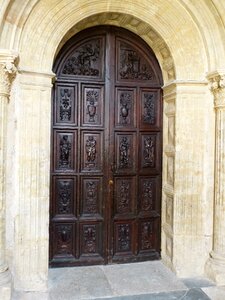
x=106, y=150
x=186, y=40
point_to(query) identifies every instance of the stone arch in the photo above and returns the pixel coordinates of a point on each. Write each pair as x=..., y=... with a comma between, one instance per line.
x=47, y=24
x=144, y=30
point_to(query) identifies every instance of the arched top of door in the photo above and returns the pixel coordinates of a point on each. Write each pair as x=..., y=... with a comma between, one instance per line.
x=84, y=53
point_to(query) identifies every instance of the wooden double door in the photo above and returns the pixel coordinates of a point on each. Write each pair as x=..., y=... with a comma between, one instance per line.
x=106, y=150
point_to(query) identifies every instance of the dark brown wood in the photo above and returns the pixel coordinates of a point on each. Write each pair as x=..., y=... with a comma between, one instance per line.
x=106, y=150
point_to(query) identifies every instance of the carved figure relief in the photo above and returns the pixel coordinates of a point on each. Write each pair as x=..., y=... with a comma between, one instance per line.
x=132, y=66
x=65, y=152
x=85, y=61
x=64, y=196
x=92, y=97
x=147, y=192
x=89, y=233
x=91, y=149
x=124, y=239
x=65, y=105
x=91, y=197
x=123, y=198
x=124, y=150
x=149, y=108
x=64, y=239
x=149, y=149
x=125, y=106
x=146, y=235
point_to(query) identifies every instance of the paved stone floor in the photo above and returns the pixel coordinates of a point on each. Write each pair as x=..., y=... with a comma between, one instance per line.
x=137, y=281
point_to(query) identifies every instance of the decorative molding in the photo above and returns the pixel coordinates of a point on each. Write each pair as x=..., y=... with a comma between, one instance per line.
x=217, y=87
x=8, y=61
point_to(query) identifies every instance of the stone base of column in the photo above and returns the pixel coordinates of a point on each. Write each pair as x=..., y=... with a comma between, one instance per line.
x=5, y=285
x=215, y=268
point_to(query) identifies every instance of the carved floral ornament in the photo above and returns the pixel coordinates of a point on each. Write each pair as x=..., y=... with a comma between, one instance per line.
x=217, y=87
x=7, y=74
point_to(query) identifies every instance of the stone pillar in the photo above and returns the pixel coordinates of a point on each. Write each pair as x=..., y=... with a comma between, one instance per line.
x=215, y=266
x=31, y=205
x=7, y=73
x=188, y=168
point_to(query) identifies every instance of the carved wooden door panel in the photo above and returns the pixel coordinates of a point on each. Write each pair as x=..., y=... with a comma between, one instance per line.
x=136, y=151
x=106, y=150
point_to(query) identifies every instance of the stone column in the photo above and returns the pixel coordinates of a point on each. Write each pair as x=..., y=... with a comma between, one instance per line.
x=215, y=267
x=7, y=73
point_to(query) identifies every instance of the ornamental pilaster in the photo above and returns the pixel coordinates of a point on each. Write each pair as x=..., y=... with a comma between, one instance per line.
x=7, y=74
x=215, y=267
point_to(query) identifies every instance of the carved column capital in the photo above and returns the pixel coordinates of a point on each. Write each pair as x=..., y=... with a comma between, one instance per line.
x=8, y=70
x=217, y=87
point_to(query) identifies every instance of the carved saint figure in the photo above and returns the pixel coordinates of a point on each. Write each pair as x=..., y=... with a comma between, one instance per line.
x=65, y=148
x=124, y=152
x=149, y=150
x=92, y=99
x=91, y=149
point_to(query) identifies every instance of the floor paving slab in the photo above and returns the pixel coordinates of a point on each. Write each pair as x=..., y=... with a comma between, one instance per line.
x=138, y=281
x=80, y=283
x=197, y=282
x=193, y=294
x=215, y=293
x=141, y=278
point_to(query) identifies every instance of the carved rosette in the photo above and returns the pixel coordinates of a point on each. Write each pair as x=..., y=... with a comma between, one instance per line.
x=217, y=87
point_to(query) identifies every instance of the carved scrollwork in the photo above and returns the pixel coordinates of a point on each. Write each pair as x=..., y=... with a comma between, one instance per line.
x=149, y=108
x=123, y=196
x=124, y=148
x=124, y=239
x=85, y=61
x=90, y=236
x=91, y=197
x=146, y=235
x=147, y=192
x=65, y=105
x=64, y=197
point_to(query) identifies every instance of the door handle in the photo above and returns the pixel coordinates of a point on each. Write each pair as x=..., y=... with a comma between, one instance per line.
x=111, y=182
